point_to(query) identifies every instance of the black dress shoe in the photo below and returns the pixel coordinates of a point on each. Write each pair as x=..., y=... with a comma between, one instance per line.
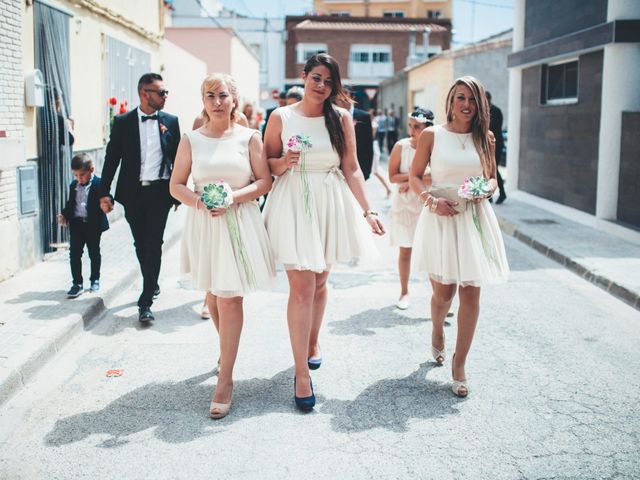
x=501, y=199
x=145, y=315
x=156, y=292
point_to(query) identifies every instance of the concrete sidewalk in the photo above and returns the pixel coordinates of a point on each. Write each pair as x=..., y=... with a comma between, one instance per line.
x=604, y=259
x=37, y=318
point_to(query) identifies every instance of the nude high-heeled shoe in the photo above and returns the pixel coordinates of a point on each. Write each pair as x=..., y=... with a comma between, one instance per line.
x=219, y=410
x=439, y=355
x=459, y=387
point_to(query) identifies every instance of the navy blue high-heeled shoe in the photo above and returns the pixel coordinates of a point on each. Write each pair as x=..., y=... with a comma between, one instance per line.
x=314, y=363
x=305, y=404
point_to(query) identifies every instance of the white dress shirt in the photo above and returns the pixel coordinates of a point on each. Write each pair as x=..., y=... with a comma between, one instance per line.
x=150, y=148
x=82, y=196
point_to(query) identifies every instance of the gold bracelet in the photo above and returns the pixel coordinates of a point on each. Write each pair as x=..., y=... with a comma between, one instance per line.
x=434, y=205
x=197, y=200
x=366, y=213
x=422, y=193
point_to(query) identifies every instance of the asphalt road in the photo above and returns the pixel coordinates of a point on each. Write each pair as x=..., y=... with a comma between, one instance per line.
x=554, y=374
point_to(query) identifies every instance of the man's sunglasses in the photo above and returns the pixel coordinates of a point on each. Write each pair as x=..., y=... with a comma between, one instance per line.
x=162, y=93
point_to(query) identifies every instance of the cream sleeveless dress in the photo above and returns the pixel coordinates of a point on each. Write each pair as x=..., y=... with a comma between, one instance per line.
x=335, y=231
x=451, y=249
x=405, y=207
x=209, y=254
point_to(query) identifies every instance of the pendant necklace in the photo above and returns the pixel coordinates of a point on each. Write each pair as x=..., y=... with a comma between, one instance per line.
x=463, y=144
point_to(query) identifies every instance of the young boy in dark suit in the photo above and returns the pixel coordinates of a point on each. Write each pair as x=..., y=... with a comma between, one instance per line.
x=86, y=222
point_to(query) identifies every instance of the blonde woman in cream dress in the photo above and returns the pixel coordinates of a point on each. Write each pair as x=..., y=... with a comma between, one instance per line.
x=224, y=150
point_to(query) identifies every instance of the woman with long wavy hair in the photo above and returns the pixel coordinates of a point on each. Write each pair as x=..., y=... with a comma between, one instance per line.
x=457, y=242
x=318, y=211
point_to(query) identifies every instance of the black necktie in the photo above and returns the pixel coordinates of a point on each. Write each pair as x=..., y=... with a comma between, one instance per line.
x=149, y=117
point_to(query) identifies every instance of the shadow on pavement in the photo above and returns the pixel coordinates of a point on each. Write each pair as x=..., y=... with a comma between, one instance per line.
x=167, y=320
x=365, y=322
x=177, y=411
x=55, y=304
x=392, y=403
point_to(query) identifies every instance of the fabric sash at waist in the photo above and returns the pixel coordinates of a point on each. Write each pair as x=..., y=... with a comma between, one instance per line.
x=333, y=173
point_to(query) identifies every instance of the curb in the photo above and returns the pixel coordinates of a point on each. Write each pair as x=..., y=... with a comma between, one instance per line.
x=34, y=359
x=610, y=286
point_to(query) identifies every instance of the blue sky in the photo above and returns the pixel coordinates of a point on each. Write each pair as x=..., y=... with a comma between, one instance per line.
x=472, y=19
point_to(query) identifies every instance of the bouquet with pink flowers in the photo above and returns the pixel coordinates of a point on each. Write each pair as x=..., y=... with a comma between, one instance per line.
x=471, y=189
x=474, y=187
x=220, y=195
x=302, y=144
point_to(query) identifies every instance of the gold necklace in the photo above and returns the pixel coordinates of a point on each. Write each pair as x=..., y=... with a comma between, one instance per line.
x=462, y=144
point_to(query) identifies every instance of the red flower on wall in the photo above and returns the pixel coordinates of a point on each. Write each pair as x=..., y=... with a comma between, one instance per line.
x=113, y=102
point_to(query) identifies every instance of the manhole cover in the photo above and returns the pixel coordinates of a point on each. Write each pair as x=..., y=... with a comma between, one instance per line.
x=539, y=221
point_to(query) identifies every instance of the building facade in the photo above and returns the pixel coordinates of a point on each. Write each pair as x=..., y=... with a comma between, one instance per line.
x=427, y=83
x=574, y=105
x=264, y=36
x=381, y=8
x=368, y=50
x=67, y=59
x=221, y=50
x=17, y=230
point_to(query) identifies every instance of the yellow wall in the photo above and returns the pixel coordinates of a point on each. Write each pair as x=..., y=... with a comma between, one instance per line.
x=87, y=69
x=411, y=8
x=429, y=83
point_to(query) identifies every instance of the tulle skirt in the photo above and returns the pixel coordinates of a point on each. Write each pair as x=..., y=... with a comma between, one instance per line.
x=459, y=249
x=229, y=255
x=331, y=231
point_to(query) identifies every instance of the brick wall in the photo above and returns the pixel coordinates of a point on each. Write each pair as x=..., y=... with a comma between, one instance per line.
x=11, y=83
x=339, y=41
x=11, y=98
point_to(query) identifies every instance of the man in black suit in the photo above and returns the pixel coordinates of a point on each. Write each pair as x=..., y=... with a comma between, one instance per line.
x=143, y=143
x=495, y=125
x=364, y=134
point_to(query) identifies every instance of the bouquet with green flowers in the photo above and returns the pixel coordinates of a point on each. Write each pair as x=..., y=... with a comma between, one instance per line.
x=220, y=195
x=302, y=144
x=217, y=195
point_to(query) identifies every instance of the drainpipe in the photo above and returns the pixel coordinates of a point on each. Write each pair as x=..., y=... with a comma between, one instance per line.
x=425, y=42
x=412, y=59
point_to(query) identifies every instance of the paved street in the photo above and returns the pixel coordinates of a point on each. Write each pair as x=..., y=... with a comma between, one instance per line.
x=554, y=382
